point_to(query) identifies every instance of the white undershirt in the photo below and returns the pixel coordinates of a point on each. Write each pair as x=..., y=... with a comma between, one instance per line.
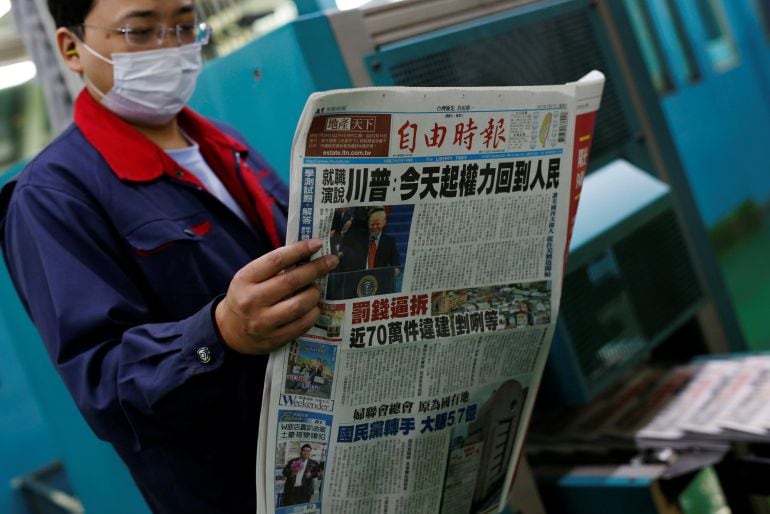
x=190, y=158
x=300, y=474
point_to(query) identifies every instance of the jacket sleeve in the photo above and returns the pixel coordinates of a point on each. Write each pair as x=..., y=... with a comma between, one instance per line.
x=137, y=382
x=314, y=472
x=287, y=469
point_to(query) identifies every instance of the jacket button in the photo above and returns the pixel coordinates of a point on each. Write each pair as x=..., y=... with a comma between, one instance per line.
x=204, y=354
x=179, y=173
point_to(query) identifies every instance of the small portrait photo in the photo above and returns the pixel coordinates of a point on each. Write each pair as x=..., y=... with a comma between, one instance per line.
x=329, y=323
x=310, y=370
x=299, y=473
x=300, y=458
x=371, y=242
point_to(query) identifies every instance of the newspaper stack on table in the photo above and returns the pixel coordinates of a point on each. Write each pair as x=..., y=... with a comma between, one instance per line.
x=450, y=210
x=727, y=400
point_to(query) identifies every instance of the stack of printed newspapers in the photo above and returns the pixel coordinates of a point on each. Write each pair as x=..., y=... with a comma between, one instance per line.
x=726, y=399
x=450, y=210
x=710, y=403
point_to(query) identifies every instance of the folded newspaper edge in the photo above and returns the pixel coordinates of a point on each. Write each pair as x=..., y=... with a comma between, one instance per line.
x=451, y=211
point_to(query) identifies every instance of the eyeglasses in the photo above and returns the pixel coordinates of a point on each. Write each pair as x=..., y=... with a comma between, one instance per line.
x=154, y=35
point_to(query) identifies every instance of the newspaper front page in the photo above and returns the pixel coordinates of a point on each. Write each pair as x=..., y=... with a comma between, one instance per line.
x=450, y=210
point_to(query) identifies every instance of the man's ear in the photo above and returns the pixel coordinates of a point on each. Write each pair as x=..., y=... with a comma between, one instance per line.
x=68, y=48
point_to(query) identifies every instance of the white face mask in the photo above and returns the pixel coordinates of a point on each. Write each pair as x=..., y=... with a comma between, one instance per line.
x=151, y=87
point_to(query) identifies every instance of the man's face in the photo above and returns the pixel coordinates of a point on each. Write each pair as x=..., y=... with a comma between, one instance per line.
x=377, y=222
x=137, y=14
x=304, y=453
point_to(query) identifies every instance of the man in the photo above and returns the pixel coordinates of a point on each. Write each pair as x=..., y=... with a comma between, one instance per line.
x=364, y=249
x=299, y=474
x=372, y=249
x=342, y=224
x=146, y=244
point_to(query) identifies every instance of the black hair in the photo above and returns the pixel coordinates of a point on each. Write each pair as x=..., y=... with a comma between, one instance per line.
x=70, y=13
x=306, y=446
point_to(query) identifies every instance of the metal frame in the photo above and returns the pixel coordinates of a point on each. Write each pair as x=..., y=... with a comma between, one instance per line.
x=34, y=484
x=60, y=85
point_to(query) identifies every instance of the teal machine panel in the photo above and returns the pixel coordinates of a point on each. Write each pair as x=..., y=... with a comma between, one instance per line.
x=45, y=425
x=25, y=444
x=261, y=88
x=637, y=488
x=629, y=284
x=714, y=54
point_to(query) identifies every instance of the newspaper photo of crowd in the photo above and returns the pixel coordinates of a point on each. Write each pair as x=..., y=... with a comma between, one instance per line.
x=518, y=305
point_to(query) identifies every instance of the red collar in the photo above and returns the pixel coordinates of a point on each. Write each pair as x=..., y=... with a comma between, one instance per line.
x=130, y=154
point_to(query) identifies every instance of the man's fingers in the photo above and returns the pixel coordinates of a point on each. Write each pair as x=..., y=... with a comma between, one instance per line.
x=279, y=259
x=269, y=301
x=293, y=308
x=286, y=284
x=293, y=330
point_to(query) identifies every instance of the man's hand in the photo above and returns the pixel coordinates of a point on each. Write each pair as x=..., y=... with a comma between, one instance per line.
x=270, y=301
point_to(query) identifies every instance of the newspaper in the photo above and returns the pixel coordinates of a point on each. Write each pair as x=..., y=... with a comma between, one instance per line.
x=450, y=210
x=707, y=404
x=725, y=400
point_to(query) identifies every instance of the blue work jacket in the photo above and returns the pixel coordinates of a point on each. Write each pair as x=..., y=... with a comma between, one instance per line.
x=119, y=256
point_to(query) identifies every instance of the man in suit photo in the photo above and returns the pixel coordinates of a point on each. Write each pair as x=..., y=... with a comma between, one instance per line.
x=299, y=473
x=378, y=250
x=369, y=259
